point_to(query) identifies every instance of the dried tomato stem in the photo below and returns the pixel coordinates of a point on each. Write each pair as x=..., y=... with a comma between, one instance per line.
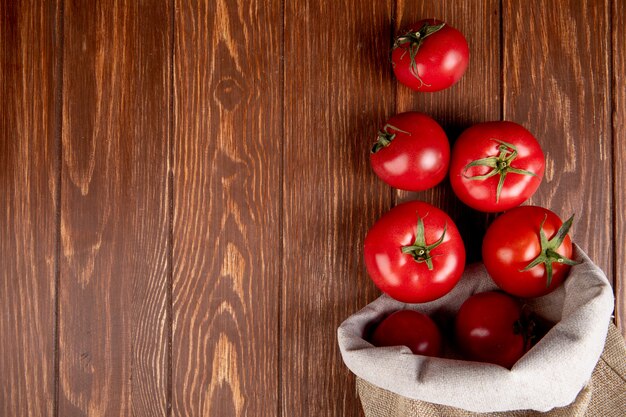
x=385, y=137
x=412, y=41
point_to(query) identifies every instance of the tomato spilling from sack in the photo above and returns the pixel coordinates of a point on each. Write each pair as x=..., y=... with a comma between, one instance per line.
x=430, y=56
x=411, y=153
x=496, y=166
x=415, y=253
x=527, y=251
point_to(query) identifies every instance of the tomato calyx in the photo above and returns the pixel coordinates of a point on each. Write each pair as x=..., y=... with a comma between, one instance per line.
x=420, y=250
x=501, y=165
x=411, y=43
x=549, y=254
x=385, y=137
x=526, y=326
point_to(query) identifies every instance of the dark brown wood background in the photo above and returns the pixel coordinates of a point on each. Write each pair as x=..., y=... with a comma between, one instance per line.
x=185, y=188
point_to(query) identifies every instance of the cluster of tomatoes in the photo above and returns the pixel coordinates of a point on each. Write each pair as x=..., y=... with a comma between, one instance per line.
x=415, y=253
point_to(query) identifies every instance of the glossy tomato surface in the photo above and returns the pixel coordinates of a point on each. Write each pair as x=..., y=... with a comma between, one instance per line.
x=488, y=329
x=513, y=241
x=409, y=328
x=439, y=58
x=501, y=149
x=428, y=271
x=412, y=152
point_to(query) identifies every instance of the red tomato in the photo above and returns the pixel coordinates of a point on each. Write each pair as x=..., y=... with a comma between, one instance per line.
x=431, y=56
x=496, y=166
x=489, y=329
x=409, y=328
x=526, y=251
x=412, y=152
x=414, y=253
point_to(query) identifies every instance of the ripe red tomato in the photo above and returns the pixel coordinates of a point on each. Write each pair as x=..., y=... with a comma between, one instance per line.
x=412, y=152
x=527, y=251
x=489, y=329
x=496, y=166
x=414, y=253
x=430, y=56
x=409, y=328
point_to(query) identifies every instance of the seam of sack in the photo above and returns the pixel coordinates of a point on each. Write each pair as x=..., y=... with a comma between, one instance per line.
x=613, y=369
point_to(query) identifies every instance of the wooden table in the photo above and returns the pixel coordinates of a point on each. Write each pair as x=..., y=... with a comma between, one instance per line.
x=185, y=185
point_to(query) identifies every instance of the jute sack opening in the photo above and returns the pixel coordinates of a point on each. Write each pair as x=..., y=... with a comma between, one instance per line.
x=552, y=374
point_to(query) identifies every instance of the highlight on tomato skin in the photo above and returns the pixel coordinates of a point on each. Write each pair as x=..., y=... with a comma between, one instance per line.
x=409, y=328
x=496, y=166
x=430, y=56
x=414, y=253
x=527, y=251
x=411, y=152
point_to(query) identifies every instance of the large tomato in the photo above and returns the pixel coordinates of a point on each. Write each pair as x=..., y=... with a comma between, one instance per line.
x=409, y=328
x=496, y=166
x=490, y=328
x=527, y=251
x=414, y=253
x=430, y=56
x=412, y=152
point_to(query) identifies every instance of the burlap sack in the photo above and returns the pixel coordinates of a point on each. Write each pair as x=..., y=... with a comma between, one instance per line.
x=604, y=395
x=551, y=375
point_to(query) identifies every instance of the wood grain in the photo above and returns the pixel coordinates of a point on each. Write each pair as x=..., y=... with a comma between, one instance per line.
x=556, y=82
x=619, y=158
x=226, y=235
x=28, y=206
x=114, y=226
x=474, y=99
x=195, y=177
x=338, y=92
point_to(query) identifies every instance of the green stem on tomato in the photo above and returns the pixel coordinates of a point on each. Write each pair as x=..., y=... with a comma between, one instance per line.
x=500, y=164
x=420, y=250
x=548, y=254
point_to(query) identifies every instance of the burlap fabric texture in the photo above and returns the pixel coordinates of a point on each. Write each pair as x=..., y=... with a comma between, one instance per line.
x=555, y=373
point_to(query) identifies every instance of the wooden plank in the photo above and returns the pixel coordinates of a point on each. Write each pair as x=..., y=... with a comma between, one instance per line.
x=556, y=82
x=226, y=236
x=338, y=92
x=474, y=99
x=619, y=166
x=28, y=205
x=114, y=227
